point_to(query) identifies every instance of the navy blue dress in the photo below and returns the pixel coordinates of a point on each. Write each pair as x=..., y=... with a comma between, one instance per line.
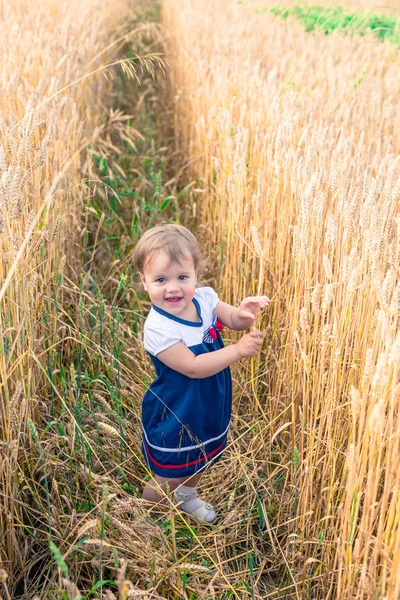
x=185, y=421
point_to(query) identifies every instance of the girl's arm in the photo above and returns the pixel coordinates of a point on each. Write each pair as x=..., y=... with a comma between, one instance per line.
x=179, y=358
x=243, y=316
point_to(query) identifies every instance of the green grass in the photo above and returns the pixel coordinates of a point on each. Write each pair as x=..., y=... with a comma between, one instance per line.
x=337, y=18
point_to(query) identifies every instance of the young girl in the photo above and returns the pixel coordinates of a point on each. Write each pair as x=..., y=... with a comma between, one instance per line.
x=187, y=409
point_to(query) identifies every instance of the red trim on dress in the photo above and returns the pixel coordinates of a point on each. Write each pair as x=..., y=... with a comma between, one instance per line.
x=193, y=462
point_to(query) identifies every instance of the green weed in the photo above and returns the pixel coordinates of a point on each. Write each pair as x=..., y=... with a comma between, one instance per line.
x=337, y=18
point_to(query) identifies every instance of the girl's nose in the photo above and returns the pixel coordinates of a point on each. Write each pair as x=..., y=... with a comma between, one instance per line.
x=172, y=286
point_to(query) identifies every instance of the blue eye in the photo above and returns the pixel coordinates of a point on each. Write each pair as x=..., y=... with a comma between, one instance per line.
x=160, y=280
x=182, y=277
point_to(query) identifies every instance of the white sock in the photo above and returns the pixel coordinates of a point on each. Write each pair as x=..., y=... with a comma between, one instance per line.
x=186, y=492
x=191, y=502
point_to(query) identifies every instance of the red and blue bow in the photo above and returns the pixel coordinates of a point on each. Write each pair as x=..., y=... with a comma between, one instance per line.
x=211, y=334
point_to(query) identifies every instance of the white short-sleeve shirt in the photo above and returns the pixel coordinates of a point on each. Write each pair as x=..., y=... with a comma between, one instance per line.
x=162, y=332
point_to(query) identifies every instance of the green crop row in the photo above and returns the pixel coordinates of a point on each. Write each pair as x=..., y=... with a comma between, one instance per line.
x=329, y=19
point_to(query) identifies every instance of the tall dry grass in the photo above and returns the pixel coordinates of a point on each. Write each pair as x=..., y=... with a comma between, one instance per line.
x=297, y=138
x=51, y=98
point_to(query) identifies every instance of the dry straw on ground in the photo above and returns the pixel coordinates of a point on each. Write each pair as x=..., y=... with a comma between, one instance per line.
x=297, y=136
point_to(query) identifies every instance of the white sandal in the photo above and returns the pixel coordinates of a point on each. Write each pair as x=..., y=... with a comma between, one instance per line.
x=204, y=513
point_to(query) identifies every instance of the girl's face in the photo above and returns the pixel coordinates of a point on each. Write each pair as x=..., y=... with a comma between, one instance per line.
x=170, y=285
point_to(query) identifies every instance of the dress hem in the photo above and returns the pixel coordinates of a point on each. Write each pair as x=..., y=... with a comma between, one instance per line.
x=183, y=470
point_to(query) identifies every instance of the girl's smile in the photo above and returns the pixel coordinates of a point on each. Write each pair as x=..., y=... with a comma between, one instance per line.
x=174, y=301
x=171, y=285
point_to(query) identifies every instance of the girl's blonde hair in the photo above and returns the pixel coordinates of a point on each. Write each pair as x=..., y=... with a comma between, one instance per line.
x=175, y=240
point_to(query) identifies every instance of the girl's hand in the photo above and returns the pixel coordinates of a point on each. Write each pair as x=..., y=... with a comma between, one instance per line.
x=251, y=305
x=250, y=344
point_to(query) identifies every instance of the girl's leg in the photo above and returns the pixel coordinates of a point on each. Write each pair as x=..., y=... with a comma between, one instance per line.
x=152, y=491
x=185, y=492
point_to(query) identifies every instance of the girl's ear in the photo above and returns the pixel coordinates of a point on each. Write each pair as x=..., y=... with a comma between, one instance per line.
x=143, y=280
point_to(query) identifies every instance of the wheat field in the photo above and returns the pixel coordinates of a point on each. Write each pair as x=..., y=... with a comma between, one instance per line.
x=297, y=138
x=280, y=149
